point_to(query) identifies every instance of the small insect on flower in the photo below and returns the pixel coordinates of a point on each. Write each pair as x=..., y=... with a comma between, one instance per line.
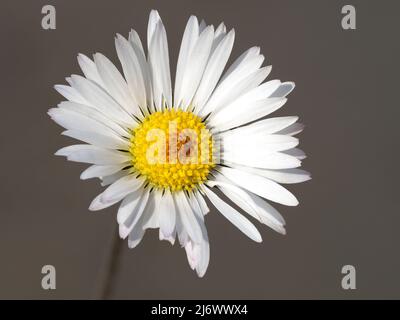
x=161, y=151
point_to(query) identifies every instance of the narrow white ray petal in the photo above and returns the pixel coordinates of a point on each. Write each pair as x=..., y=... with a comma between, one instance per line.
x=94, y=114
x=109, y=141
x=114, y=83
x=253, y=111
x=292, y=130
x=189, y=39
x=72, y=120
x=261, y=186
x=247, y=142
x=97, y=204
x=237, y=219
x=181, y=232
x=239, y=64
x=91, y=154
x=284, y=89
x=219, y=34
x=70, y=93
x=287, y=176
x=266, y=126
x=100, y=100
x=89, y=69
x=151, y=213
x=261, y=158
x=136, y=235
x=96, y=171
x=247, y=202
x=196, y=65
x=198, y=254
x=159, y=64
x=194, y=204
x=137, y=46
x=295, y=152
x=204, y=258
x=170, y=238
x=202, y=203
x=121, y=188
x=242, y=79
x=110, y=179
x=154, y=18
x=129, y=204
x=187, y=217
x=214, y=69
x=137, y=211
x=193, y=253
x=167, y=214
x=242, y=87
x=133, y=73
x=202, y=25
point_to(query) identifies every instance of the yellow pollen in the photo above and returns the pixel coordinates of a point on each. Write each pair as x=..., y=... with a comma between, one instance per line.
x=173, y=150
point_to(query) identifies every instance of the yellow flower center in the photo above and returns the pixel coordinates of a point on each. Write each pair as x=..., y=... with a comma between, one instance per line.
x=173, y=149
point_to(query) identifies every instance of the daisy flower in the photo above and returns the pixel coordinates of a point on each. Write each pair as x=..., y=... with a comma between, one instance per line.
x=162, y=149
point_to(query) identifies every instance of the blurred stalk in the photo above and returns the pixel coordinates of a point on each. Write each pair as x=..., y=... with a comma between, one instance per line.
x=109, y=266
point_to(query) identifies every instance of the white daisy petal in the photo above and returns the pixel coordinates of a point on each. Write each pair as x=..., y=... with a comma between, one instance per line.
x=219, y=34
x=251, y=204
x=202, y=25
x=136, y=234
x=214, y=69
x=70, y=93
x=151, y=213
x=287, y=176
x=242, y=63
x=292, y=130
x=137, y=46
x=260, y=158
x=246, y=76
x=189, y=39
x=295, y=152
x=246, y=142
x=121, y=188
x=93, y=114
x=192, y=253
x=196, y=64
x=253, y=111
x=97, y=204
x=238, y=220
x=110, y=179
x=136, y=210
x=187, y=217
x=96, y=171
x=266, y=126
x=71, y=120
x=129, y=204
x=261, y=186
x=167, y=214
x=198, y=254
x=159, y=64
x=114, y=83
x=91, y=154
x=283, y=90
x=89, y=69
x=154, y=18
x=202, y=203
x=133, y=72
x=111, y=141
x=100, y=100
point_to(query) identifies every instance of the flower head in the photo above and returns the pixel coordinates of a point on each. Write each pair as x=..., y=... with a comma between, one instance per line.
x=161, y=151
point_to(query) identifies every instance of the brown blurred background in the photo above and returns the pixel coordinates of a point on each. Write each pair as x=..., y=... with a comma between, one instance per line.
x=345, y=94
